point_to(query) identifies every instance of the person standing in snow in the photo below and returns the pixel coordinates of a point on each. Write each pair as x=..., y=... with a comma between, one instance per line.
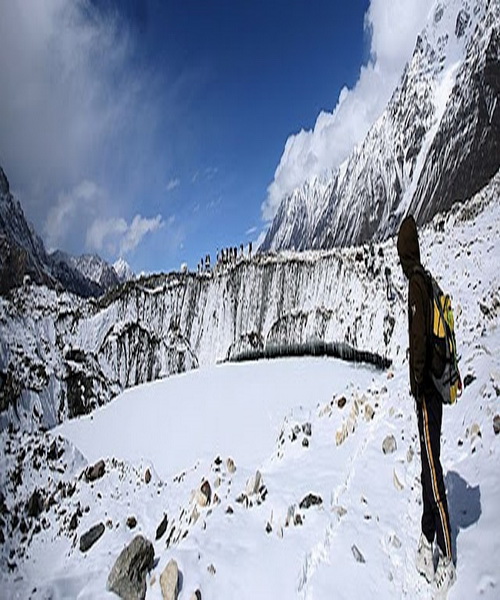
x=435, y=517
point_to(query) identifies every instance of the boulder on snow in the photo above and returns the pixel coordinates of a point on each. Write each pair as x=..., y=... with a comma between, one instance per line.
x=162, y=527
x=254, y=484
x=310, y=500
x=496, y=424
x=169, y=581
x=204, y=494
x=95, y=471
x=127, y=578
x=389, y=445
x=341, y=402
x=147, y=476
x=89, y=538
x=231, y=467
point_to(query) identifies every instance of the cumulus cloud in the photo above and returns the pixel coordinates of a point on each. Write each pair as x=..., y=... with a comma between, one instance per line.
x=393, y=26
x=116, y=236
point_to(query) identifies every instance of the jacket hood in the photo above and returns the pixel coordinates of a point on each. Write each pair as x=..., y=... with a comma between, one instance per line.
x=408, y=248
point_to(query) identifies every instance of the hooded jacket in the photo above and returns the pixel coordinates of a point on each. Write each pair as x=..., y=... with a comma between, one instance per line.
x=419, y=308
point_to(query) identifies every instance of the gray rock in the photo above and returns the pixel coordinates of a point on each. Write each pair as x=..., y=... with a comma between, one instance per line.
x=169, y=581
x=496, y=424
x=389, y=445
x=89, y=538
x=128, y=575
x=95, y=471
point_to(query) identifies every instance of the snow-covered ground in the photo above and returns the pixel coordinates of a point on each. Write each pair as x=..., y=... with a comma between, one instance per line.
x=179, y=427
x=308, y=426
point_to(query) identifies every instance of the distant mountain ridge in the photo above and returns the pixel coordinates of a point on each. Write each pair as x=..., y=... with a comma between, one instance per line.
x=23, y=257
x=438, y=141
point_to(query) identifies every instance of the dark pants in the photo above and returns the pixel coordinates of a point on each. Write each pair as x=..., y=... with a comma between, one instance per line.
x=435, y=517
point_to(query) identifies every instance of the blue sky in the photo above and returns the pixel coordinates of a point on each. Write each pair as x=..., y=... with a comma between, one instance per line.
x=161, y=131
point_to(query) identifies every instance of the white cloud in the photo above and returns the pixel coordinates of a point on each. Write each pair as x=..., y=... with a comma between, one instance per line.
x=173, y=184
x=117, y=237
x=72, y=210
x=393, y=26
x=137, y=230
x=73, y=107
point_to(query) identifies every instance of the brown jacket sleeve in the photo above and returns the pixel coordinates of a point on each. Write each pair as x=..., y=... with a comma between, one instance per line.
x=418, y=317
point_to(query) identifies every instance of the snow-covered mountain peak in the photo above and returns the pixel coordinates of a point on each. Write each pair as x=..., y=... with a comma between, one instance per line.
x=123, y=270
x=437, y=141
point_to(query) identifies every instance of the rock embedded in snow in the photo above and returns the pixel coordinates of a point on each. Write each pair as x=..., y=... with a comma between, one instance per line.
x=310, y=500
x=131, y=522
x=369, y=412
x=496, y=424
x=127, y=578
x=169, y=581
x=231, y=467
x=162, y=527
x=254, y=484
x=357, y=554
x=147, y=476
x=89, y=538
x=397, y=483
x=95, y=471
x=34, y=505
x=204, y=494
x=307, y=429
x=389, y=445
x=341, y=402
x=196, y=595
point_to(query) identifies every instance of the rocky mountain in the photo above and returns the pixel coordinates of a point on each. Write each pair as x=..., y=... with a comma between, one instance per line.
x=123, y=270
x=22, y=251
x=91, y=267
x=23, y=257
x=437, y=142
x=61, y=356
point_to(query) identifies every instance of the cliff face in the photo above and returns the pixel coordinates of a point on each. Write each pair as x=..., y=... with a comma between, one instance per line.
x=75, y=354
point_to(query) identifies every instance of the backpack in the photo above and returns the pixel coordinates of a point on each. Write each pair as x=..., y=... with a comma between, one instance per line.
x=444, y=359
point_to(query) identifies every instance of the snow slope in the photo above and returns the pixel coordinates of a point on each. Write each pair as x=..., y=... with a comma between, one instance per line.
x=185, y=428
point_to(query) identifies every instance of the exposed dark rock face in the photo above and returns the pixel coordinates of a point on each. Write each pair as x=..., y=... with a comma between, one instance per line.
x=465, y=153
x=23, y=258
